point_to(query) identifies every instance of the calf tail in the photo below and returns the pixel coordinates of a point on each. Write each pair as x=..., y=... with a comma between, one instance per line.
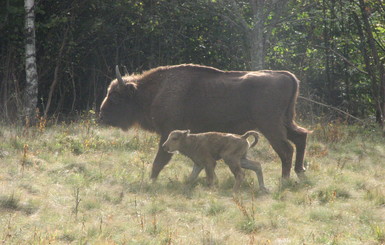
x=253, y=133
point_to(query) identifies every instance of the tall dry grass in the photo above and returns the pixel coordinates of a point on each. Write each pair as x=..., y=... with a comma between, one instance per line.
x=78, y=183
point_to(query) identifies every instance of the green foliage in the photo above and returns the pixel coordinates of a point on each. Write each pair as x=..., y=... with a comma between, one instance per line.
x=318, y=40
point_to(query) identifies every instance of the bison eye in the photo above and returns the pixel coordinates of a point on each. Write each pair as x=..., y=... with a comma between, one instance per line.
x=115, y=98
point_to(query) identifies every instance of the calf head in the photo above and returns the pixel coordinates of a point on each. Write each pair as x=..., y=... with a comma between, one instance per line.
x=175, y=140
x=118, y=107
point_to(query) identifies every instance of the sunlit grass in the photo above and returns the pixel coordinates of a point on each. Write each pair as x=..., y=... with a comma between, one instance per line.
x=78, y=183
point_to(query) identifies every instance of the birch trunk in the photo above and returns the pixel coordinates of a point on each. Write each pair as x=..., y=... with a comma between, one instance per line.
x=31, y=88
x=256, y=38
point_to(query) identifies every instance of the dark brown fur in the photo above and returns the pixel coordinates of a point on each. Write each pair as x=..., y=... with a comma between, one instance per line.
x=206, y=99
x=205, y=149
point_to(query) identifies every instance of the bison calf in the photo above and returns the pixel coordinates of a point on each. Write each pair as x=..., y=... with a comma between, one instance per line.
x=205, y=149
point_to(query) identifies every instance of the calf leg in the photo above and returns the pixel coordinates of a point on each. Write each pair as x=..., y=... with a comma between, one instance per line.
x=298, y=137
x=161, y=159
x=195, y=172
x=235, y=167
x=257, y=168
x=209, y=168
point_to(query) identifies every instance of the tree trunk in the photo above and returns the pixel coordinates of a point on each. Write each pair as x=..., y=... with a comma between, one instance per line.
x=55, y=74
x=256, y=38
x=31, y=88
x=376, y=67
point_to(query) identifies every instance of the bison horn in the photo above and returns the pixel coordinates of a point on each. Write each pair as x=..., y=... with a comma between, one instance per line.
x=125, y=71
x=118, y=75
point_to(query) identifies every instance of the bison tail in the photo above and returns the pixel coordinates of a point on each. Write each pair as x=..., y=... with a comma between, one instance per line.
x=253, y=133
x=290, y=111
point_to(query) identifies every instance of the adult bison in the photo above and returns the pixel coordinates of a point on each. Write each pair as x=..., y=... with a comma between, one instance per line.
x=202, y=99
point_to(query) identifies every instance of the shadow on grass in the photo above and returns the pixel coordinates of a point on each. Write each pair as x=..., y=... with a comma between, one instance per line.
x=170, y=186
x=12, y=203
x=291, y=185
x=176, y=187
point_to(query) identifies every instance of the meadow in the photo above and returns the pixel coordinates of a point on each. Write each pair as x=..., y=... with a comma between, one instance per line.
x=78, y=183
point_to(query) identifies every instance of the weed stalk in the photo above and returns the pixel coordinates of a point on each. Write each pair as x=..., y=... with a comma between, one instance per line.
x=77, y=200
x=101, y=225
x=24, y=159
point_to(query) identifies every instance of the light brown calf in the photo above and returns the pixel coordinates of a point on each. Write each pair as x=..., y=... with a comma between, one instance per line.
x=205, y=149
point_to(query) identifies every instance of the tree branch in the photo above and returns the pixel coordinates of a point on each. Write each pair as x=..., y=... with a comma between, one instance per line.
x=332, y=107
x=343, y=58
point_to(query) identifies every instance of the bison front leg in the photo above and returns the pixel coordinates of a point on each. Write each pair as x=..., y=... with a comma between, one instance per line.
x=161, y=159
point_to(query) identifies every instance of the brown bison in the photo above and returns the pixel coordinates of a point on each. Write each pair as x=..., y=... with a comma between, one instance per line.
x=203, y=99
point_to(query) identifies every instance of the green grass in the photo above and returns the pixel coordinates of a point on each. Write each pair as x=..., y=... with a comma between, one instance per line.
x=78, y=183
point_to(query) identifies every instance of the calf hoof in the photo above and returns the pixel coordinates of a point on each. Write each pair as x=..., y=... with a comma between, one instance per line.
x=191, y=183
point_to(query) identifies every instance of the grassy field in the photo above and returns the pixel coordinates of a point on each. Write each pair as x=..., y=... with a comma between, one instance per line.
x=81, y=184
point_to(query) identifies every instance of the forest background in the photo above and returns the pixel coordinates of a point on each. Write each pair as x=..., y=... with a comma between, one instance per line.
x=77, y=183
x=336, y=48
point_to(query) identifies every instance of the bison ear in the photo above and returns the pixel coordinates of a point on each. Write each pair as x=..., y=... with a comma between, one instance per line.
x=130, y=88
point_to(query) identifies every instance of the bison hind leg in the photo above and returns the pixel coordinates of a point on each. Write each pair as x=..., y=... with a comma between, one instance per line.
x=299, y=136
x=285, y=152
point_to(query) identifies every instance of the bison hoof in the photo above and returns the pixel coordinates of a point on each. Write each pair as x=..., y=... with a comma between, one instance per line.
x=263, y=190
x=153, y=179
x=300, y=170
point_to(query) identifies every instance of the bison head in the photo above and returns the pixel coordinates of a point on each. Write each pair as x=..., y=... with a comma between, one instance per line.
x=118, y=107
x=175, y=140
